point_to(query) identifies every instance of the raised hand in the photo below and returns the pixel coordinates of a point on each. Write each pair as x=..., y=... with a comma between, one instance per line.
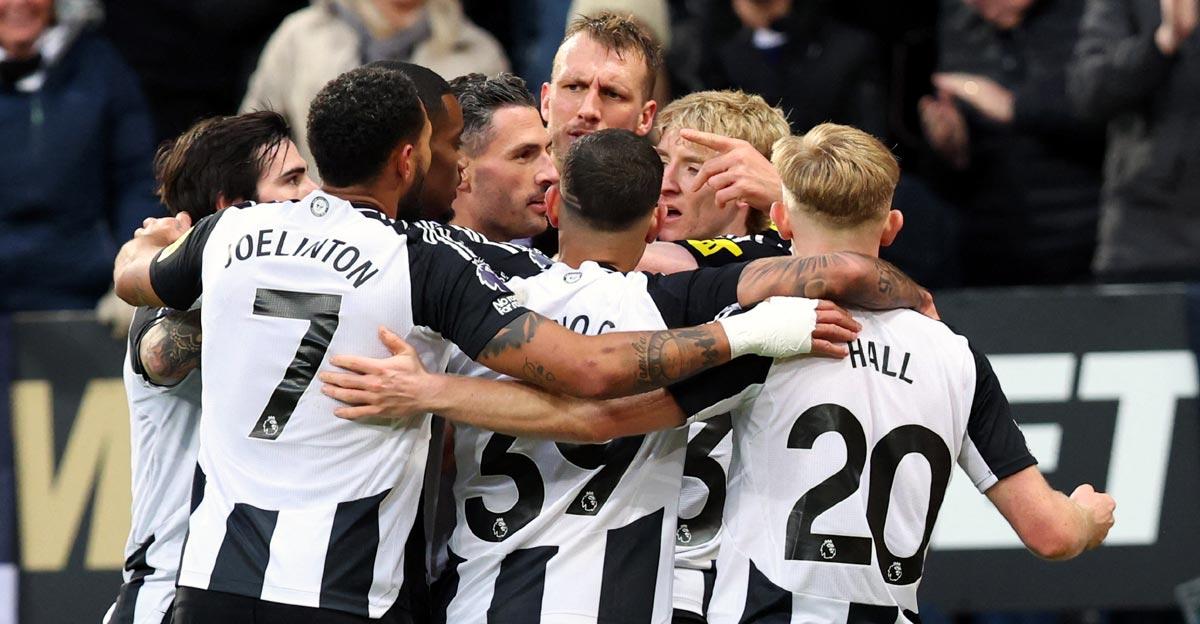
x=945, y=128
x=737, y=173
x=979, y=92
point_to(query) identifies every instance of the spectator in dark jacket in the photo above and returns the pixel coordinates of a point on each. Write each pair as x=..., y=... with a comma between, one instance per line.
x=1025, y=166
x=1138, y=65
x=75, y=171
x=813, y=67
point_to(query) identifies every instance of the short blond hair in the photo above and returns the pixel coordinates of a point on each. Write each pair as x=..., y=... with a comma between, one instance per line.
x=733, y=114
x=840, y=174
x=620, y=34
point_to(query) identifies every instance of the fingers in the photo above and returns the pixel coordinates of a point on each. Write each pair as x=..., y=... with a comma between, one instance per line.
x=348, y=380
x=709, y=140
x=710, y=168
x=346, y=395
x=358, y=364
x=832, y=313
x=394, y=342
x=824, y=348
x=357, y=412
x=833, y=333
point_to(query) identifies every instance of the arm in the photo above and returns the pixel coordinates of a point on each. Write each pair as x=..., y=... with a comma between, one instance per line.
x=847, y=278
x=399, y=387
x=170, y=349
x=1115, y=66
x=666, y=258
x=1051, y=525
x=131, y=270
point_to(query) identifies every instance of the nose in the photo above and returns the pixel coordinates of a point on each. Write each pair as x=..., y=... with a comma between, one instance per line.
x=589, y=108
x=547, y=174
x=669, y=184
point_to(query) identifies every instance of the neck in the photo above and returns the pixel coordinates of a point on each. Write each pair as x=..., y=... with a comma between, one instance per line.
x=465, y=217
x=382, y=200
x=811, y=238
x=621, y=250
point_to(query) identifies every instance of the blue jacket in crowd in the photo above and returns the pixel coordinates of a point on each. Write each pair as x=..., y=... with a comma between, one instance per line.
x=76, y=178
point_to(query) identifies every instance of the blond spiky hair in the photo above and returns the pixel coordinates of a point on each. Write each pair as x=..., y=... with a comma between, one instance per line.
x=839, y=174
x=733, y=114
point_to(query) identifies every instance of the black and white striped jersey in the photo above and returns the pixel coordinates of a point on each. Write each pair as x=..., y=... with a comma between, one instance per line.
x=710, y=444
x=290, y=503
x=163, y=430
x=551, y=532
x=840, y=467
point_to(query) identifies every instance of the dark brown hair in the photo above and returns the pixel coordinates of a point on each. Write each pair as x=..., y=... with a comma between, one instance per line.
x=621, y=34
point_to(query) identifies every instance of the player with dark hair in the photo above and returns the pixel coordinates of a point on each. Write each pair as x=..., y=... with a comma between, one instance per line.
x=302, y=517
x=590, y=535
x=217, y=162
x=434, y=198
x=507, y=164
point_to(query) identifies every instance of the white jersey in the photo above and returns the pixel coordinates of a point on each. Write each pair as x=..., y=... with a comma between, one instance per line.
x=565, y=533
x=295, y=505
x=834, y=528
x=163, y=429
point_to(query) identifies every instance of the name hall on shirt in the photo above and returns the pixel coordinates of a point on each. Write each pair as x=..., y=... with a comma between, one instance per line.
x=860, y=358
x=345, y=259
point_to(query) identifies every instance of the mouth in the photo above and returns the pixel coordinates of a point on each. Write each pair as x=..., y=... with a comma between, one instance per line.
x=673, y=214
x=578, y=132
x=538, y=205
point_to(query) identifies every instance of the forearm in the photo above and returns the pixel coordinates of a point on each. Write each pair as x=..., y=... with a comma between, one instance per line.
x=521, y=410
x=605, y=366
x=131, y=273
x=171, y=348
x=847, y=278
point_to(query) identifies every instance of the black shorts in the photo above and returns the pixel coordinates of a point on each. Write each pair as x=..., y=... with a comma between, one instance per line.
x=199, y=606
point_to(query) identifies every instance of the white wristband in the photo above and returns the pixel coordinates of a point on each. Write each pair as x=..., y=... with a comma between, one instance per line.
x=776, y=328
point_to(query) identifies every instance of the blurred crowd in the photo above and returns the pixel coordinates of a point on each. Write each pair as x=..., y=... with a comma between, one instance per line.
x=1042, y=141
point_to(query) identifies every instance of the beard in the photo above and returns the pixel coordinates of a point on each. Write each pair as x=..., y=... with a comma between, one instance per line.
x=409, y=206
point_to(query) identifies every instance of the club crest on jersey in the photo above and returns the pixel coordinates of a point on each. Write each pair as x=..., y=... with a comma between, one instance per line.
x=271, y=427
x=683, y=535
x=588, y=502
x=895, y=571
x=319, y=206
x=828, y=550
x=500, y=528
x=572, y=277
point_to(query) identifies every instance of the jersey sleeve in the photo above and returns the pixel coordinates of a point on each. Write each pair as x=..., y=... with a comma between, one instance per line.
x=456, y=293
x=722, y=389
x=143, y=319
x=695, y=297
x=717, y=252
x=508, y=260
x=175, y=273
x=994, y=447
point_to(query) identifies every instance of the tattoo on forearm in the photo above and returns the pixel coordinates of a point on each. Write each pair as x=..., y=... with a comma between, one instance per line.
x=538, y=373
x=175, y=350
x=793, y=276
x=514, y=336
x=851, y=278
x=665, y=357
x=896, y=290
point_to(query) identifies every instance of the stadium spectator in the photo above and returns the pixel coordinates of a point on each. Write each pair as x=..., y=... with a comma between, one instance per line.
x=315, y=44
x=814, y=67
x=193, y=57
x=507, y=160
x=75, y=172
x=1138, y=65
x=1025, y=167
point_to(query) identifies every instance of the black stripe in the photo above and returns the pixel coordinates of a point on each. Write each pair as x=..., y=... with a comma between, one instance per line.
x=871, y=614
x=517, y=597
x=710, y=581
x=199, y=481
x=630, y=578
x=242, y=560
x=766, y=602
x=350, y=558
x=446, y=588
x=127, y=597
x=912, y=616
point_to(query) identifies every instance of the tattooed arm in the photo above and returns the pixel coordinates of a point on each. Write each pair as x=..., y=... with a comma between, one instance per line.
x=850, y=279
x=170, y=349
x=543, y=352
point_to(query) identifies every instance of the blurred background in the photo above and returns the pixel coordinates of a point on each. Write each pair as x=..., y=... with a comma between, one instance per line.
x=1051, y=187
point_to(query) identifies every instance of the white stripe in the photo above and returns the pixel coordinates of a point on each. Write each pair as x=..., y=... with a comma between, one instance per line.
x=206, y=531
x=298, y=547
x=8, y=593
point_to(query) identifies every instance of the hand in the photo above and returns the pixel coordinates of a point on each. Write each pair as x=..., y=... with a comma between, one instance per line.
x=927, y=308
x=981, y=93
x=1179, y=18
x=1098, y=508
x=164, y=231
x=738, y=173
x=945, y=129
x=834, y=329
x=391, y=388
